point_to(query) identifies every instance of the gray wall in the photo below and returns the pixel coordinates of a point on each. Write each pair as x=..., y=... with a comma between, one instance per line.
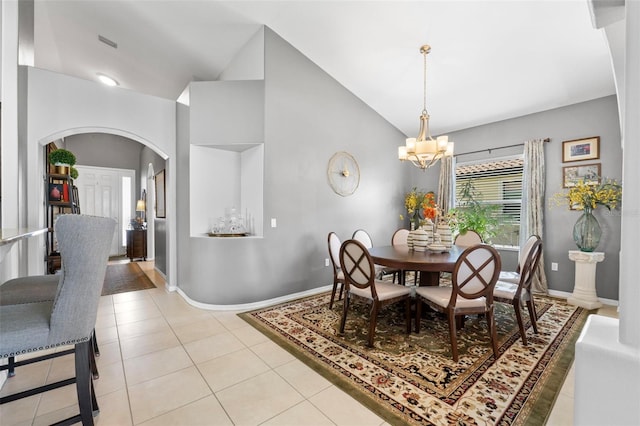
x=105, y=150
x=598, y=117
x=114, y=151
x=308, y=117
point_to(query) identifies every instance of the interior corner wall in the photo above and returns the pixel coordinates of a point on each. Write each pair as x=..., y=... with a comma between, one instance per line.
x=248, y=64
x=598, y=117
x=308, y=117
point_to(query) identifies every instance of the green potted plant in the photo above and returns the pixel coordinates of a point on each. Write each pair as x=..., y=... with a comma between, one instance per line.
x=473, y=215
x=73, y=173
x=62, y=159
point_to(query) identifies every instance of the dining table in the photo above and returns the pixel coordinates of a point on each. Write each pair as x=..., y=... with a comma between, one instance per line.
x=429, y=263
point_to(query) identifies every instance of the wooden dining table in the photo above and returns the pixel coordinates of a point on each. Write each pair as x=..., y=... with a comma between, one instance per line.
x=429, y=264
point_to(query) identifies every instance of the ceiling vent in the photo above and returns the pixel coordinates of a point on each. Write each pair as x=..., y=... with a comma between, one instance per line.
x=107, y=41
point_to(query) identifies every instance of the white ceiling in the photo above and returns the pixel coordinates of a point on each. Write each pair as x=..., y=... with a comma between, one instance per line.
x=490, y=60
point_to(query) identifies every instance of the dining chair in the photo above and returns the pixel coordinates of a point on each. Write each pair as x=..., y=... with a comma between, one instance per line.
x=400, y=238
x=362, y=285
x=468, y=239
x=338, y=276
x=472, y=283
x=520, y=293
x=514, y=276
x=364, y=237
x=69, y=319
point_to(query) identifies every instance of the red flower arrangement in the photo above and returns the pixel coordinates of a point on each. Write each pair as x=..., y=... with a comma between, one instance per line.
x=430, y=210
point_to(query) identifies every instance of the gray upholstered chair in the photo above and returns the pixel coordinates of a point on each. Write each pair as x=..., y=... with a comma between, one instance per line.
x=34, y=289
x=333, y=242
x=361, y=283
x=473, y=280
x=520, y=293
x=84, y=243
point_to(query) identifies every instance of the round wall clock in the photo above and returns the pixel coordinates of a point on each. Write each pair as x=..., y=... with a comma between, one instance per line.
x=343, y=173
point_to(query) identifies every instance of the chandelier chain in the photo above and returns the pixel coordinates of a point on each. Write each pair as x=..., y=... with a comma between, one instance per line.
x=424, y=100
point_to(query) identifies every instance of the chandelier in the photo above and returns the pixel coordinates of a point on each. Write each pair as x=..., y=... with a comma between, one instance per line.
x=424, y=151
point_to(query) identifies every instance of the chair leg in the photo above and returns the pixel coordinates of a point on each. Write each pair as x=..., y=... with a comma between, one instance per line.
x=94, y=341
x=372, y=323
x=491, y=324
x=533, y=315
x=83, y=382
x=407, y=314
x=345, y=308
x=516, y=307
x=418, y=313
x=12, y=367
x=92, y=362
x=333, y=294
x=452, y=335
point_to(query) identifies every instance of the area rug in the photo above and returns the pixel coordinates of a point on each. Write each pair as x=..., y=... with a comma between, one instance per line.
x=124, y=277
x=412, y=379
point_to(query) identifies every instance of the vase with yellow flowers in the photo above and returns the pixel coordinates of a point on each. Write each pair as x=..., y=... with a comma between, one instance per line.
x=421, y=207
x=586, y=197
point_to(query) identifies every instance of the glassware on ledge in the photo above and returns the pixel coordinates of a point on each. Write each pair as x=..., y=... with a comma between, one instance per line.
x=231, y=225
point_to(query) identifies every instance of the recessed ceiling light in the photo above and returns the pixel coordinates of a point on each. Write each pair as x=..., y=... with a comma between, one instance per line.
x=105, y=79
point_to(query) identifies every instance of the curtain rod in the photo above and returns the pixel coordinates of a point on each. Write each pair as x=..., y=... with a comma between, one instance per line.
x=500, y=147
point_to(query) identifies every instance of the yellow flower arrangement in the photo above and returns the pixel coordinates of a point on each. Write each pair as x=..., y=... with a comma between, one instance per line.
x=420, y=205
x=582, y=196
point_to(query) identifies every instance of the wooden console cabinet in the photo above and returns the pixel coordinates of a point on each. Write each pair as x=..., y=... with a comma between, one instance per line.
x=137, y=244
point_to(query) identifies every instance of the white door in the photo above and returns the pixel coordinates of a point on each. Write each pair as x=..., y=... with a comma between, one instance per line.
x=101, y=193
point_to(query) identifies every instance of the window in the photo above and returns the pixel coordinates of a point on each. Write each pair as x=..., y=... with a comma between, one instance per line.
x=496, y=185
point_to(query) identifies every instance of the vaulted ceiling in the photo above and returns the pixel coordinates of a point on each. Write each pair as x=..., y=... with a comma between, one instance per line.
x=490, y=60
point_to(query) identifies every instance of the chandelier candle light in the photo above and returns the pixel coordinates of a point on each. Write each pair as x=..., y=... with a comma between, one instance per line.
x=424, y=151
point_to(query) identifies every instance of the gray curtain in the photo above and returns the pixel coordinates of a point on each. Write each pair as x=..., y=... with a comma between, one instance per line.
x=532, y=212
x=446, y=184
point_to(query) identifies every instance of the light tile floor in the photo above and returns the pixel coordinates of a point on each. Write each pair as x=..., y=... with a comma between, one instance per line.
x=164, y=362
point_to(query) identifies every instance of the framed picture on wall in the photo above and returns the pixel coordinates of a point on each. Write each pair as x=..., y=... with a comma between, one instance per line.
x=589, y=173
x=581, y=149
x=160, y=194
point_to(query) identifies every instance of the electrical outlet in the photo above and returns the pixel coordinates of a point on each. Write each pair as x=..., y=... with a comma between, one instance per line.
x=326, y=262
x=554, y=266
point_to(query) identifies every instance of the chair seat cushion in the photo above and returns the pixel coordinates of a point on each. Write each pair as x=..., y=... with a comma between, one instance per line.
x=441, y=296
x=24, y=328
x=38, y=288
x=506, y=290
x=384, y=290
x=510, y=277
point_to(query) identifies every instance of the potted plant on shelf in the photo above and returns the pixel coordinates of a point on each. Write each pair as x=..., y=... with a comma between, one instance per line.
x=73, y=173
x=62, y=159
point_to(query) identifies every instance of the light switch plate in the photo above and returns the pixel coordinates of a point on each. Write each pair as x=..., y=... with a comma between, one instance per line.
x=273, y=222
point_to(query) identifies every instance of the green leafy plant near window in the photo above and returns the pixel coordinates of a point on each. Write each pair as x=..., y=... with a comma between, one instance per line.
x=471, y=214
x=62, y=156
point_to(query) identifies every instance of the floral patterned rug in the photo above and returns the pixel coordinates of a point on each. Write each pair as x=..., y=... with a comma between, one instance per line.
x=412, y=379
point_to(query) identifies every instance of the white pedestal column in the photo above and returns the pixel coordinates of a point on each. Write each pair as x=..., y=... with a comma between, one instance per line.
x=584, y=290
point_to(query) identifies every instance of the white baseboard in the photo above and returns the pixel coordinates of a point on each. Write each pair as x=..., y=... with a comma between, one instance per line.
x=253, y=305
x=565, y=295
x=286, y=298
